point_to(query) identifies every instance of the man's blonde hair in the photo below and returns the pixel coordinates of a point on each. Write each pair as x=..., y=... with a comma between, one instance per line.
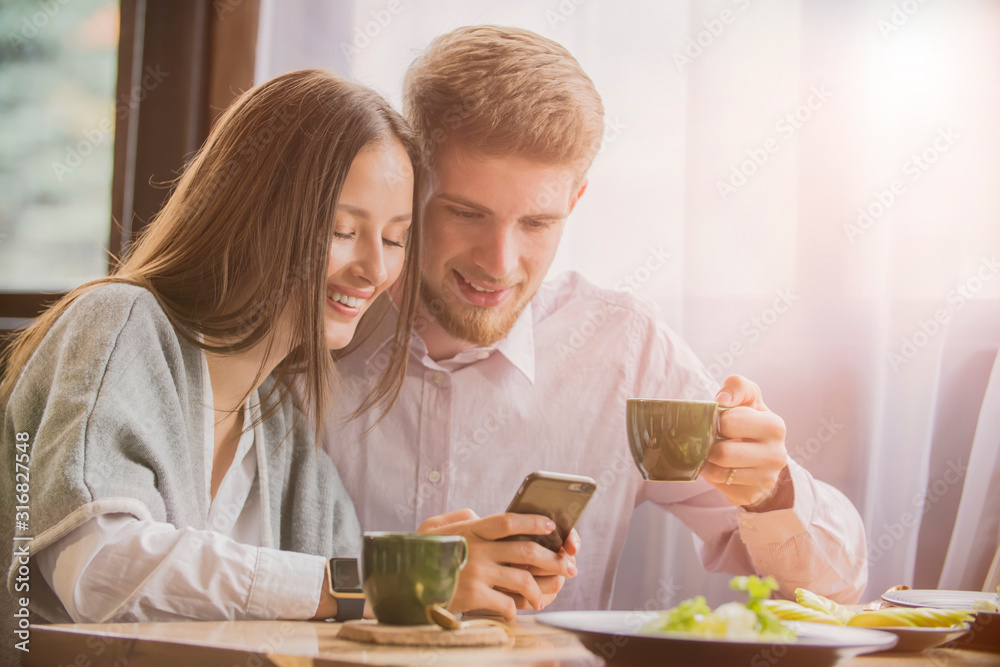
x=504, y=92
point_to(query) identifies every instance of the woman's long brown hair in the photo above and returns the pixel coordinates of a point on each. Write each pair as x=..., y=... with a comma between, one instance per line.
x=247, y=231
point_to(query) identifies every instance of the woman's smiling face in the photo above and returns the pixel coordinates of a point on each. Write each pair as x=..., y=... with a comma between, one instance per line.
x=368, y=250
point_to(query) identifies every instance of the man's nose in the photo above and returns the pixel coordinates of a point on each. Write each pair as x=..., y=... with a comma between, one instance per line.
x=498, y=250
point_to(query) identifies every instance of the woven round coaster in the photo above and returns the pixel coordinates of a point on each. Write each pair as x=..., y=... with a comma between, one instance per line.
x=371, y=632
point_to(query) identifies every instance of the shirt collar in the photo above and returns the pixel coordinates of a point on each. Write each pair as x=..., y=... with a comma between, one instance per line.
x=518, y=346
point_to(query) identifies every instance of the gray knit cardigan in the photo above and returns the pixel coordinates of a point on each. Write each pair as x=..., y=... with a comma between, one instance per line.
x=112, y=405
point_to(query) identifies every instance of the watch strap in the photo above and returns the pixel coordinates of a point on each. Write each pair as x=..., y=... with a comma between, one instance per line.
x=350, y=602
x=349, y=609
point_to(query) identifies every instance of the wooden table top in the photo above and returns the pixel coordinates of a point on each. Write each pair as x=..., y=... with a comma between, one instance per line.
x=302, y=644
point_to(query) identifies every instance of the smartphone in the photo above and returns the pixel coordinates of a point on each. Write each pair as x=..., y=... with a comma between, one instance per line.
x=559, y=497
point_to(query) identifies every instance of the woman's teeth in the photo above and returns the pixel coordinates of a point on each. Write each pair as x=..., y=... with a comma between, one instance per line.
x=349, y=301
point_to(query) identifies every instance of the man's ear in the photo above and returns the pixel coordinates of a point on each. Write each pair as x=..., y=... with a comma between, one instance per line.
x=579, y=193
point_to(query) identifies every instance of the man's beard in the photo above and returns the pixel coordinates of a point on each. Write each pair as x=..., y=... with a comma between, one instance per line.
x=473, y=324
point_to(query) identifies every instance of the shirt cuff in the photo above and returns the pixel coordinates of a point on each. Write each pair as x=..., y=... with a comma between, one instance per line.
x=782, y=525
x=286, y=585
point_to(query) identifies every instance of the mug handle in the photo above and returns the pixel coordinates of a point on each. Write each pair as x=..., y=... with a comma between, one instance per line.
x=465, y=553
x=716, y=430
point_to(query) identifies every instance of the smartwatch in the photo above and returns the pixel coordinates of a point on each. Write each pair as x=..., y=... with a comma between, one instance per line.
x=345, y=587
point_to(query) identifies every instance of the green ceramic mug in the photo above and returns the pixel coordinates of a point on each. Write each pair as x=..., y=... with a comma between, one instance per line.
x=670, y=439
x=405, y=573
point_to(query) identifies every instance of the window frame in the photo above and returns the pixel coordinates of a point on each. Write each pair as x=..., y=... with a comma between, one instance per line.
x=199, y=56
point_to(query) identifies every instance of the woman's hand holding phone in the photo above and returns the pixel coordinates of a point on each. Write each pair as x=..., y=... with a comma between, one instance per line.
x=504, y=576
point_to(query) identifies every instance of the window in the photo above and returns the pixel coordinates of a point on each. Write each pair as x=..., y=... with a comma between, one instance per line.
x=57, y=89
x=112, y=98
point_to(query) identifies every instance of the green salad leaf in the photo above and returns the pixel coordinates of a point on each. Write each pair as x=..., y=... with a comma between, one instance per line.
x=688, y=616
x=749, y=620
x=758, y=589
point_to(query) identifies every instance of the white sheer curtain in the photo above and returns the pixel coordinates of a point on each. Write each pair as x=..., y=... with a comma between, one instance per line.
x=824, y=176
x=972, y=557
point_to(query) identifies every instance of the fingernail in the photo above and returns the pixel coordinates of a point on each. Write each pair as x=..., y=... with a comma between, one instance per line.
x=723, y=398
x=572, y=570
x=550, y=525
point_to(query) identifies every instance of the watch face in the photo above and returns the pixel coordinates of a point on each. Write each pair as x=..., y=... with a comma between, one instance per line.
x=345, y=574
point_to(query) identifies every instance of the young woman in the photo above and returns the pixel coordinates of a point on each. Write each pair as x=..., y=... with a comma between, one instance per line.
x=165, y=473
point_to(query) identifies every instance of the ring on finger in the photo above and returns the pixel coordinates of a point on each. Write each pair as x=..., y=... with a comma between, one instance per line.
x=732, y=474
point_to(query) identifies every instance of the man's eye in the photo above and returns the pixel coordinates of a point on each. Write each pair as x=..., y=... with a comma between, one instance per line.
x=539, y=224
x=394, y=244
x=465, y=215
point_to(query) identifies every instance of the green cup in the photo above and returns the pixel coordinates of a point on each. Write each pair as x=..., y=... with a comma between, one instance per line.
x=406, y=573
x=670, y=439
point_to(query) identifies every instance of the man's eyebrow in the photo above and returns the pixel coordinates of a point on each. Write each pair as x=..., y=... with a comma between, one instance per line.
x=364, y=215
x=462, y=201
x=468, y=203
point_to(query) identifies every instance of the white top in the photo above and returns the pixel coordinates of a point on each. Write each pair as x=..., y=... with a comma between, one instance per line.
x=119, y=568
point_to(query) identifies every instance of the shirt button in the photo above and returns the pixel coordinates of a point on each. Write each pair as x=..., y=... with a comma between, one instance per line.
x=434, y=476
x=482, y=355
x=438, y=377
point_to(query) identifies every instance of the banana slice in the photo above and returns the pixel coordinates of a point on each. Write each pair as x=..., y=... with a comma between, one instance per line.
x=815, y=601
x=905, y=617
x=787, y=610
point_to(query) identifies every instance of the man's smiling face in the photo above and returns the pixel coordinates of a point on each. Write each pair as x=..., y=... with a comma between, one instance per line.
x=491, y=229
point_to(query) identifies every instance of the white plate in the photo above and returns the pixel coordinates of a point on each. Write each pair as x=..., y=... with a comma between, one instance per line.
x=614, y=635
x=914, y=640
x=985, y=630
x=939, y=599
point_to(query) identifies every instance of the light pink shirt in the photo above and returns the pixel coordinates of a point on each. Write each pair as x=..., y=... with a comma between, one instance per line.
x=464, y=432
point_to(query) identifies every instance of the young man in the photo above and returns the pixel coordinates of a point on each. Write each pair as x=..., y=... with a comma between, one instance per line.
x=503, y=381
